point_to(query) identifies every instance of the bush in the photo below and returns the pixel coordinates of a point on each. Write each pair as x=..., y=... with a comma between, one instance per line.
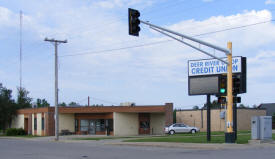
x=15, y=132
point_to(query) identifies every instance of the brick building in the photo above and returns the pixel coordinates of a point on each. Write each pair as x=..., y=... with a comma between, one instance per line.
x=198, y=117
x=120, y=120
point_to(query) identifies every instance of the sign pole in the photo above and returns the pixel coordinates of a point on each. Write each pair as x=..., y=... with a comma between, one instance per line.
x=235, y=120
x=208, y=118
x=229, y=135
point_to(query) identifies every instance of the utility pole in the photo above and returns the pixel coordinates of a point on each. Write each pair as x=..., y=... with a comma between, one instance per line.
x=56, y=42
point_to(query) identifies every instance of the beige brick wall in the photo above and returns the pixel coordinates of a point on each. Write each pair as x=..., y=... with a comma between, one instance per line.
x=157, y=123
x=32, y=124
x=125, y=124
x=198, y=118
x=66, y=122
x=18, y=121
x=244, y=118
x=39, y=124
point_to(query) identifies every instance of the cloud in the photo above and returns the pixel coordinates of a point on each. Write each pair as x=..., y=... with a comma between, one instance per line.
x=267, y=2
x=146, y=74
x=110, y=4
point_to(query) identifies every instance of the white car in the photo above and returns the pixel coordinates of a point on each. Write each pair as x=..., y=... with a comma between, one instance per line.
x=180, y=128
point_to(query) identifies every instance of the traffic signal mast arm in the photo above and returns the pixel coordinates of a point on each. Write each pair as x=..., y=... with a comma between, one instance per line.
x=226, y=51
x=194, y=47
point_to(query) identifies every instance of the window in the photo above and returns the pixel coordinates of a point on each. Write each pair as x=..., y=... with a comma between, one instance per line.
x=176, y=125
x=144, y=124
x=42, y=124
x=84, y=124
x=100, y=125
x=35, y=124
x=76, y=125
x=182, y=125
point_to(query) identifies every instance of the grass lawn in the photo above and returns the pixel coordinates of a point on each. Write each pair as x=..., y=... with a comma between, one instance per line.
x=217, y=137
x=102, y=138
x=23, y=136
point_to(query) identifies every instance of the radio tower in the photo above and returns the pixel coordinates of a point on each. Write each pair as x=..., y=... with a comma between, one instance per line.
x=20, y=67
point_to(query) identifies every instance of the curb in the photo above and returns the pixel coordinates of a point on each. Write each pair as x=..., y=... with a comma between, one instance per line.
x=191, y=145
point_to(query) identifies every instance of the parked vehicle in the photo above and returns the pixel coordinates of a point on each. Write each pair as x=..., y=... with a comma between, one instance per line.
x=180, y=128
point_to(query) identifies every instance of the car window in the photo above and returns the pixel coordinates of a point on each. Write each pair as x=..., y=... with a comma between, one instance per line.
x=176, y=125
x=182, y=125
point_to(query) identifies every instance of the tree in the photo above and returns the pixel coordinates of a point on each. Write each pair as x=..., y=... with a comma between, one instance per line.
x=214, y=104
x=73, y=104
x=196, y=107
x=7, y=107
x=42, y=103
x=242, y=106
x=23, y=101
x=63, y=104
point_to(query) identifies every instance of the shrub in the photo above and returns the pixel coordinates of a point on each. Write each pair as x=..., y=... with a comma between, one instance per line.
x=15, y=132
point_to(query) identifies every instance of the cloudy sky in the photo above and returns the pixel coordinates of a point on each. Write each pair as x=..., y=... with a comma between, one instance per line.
x=102, y=61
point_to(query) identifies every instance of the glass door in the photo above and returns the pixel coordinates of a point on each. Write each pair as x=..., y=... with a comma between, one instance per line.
x=92, y=127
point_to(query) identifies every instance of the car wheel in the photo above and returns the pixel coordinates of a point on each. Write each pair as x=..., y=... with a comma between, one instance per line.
x=171, y=132
x=193, y=131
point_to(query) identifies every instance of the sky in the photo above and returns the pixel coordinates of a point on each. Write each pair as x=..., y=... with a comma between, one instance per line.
x=102, y=61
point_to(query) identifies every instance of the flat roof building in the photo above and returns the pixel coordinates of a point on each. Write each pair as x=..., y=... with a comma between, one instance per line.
x=198, y=118
x=96, y=120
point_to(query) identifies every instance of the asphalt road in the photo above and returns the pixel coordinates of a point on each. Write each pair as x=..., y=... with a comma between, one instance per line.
x=18, y=148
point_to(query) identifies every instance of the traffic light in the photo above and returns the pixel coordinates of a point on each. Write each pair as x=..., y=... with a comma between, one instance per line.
x=133, y=22
x=237, y=100
x=236, y=84
x=222, y=100
x=223, y=85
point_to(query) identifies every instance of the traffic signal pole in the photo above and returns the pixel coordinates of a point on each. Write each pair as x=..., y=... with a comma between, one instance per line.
x=134, y=21
x=229, y=135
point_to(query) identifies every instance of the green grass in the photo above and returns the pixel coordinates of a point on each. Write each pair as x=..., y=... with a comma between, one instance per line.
x=216, y=137
x=242, y=139
x=102, y=138
x=22, y=136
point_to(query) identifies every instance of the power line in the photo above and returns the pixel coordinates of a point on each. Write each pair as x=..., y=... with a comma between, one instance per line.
x=117, y=49
x=103, y=100
x=149, y=11
x=198, y=26
x=164, y=41
x=239, y=27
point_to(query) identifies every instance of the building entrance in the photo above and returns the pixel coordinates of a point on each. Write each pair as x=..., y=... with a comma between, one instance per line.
x=92, y=127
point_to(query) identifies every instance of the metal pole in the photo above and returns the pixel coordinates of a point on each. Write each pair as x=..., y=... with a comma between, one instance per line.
x=226, y=51
x=208, y=118
x=56, y=94
x=88, y=101
x=229, y=135
x=189, y=45
x=20, y=51
x=235, y=120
